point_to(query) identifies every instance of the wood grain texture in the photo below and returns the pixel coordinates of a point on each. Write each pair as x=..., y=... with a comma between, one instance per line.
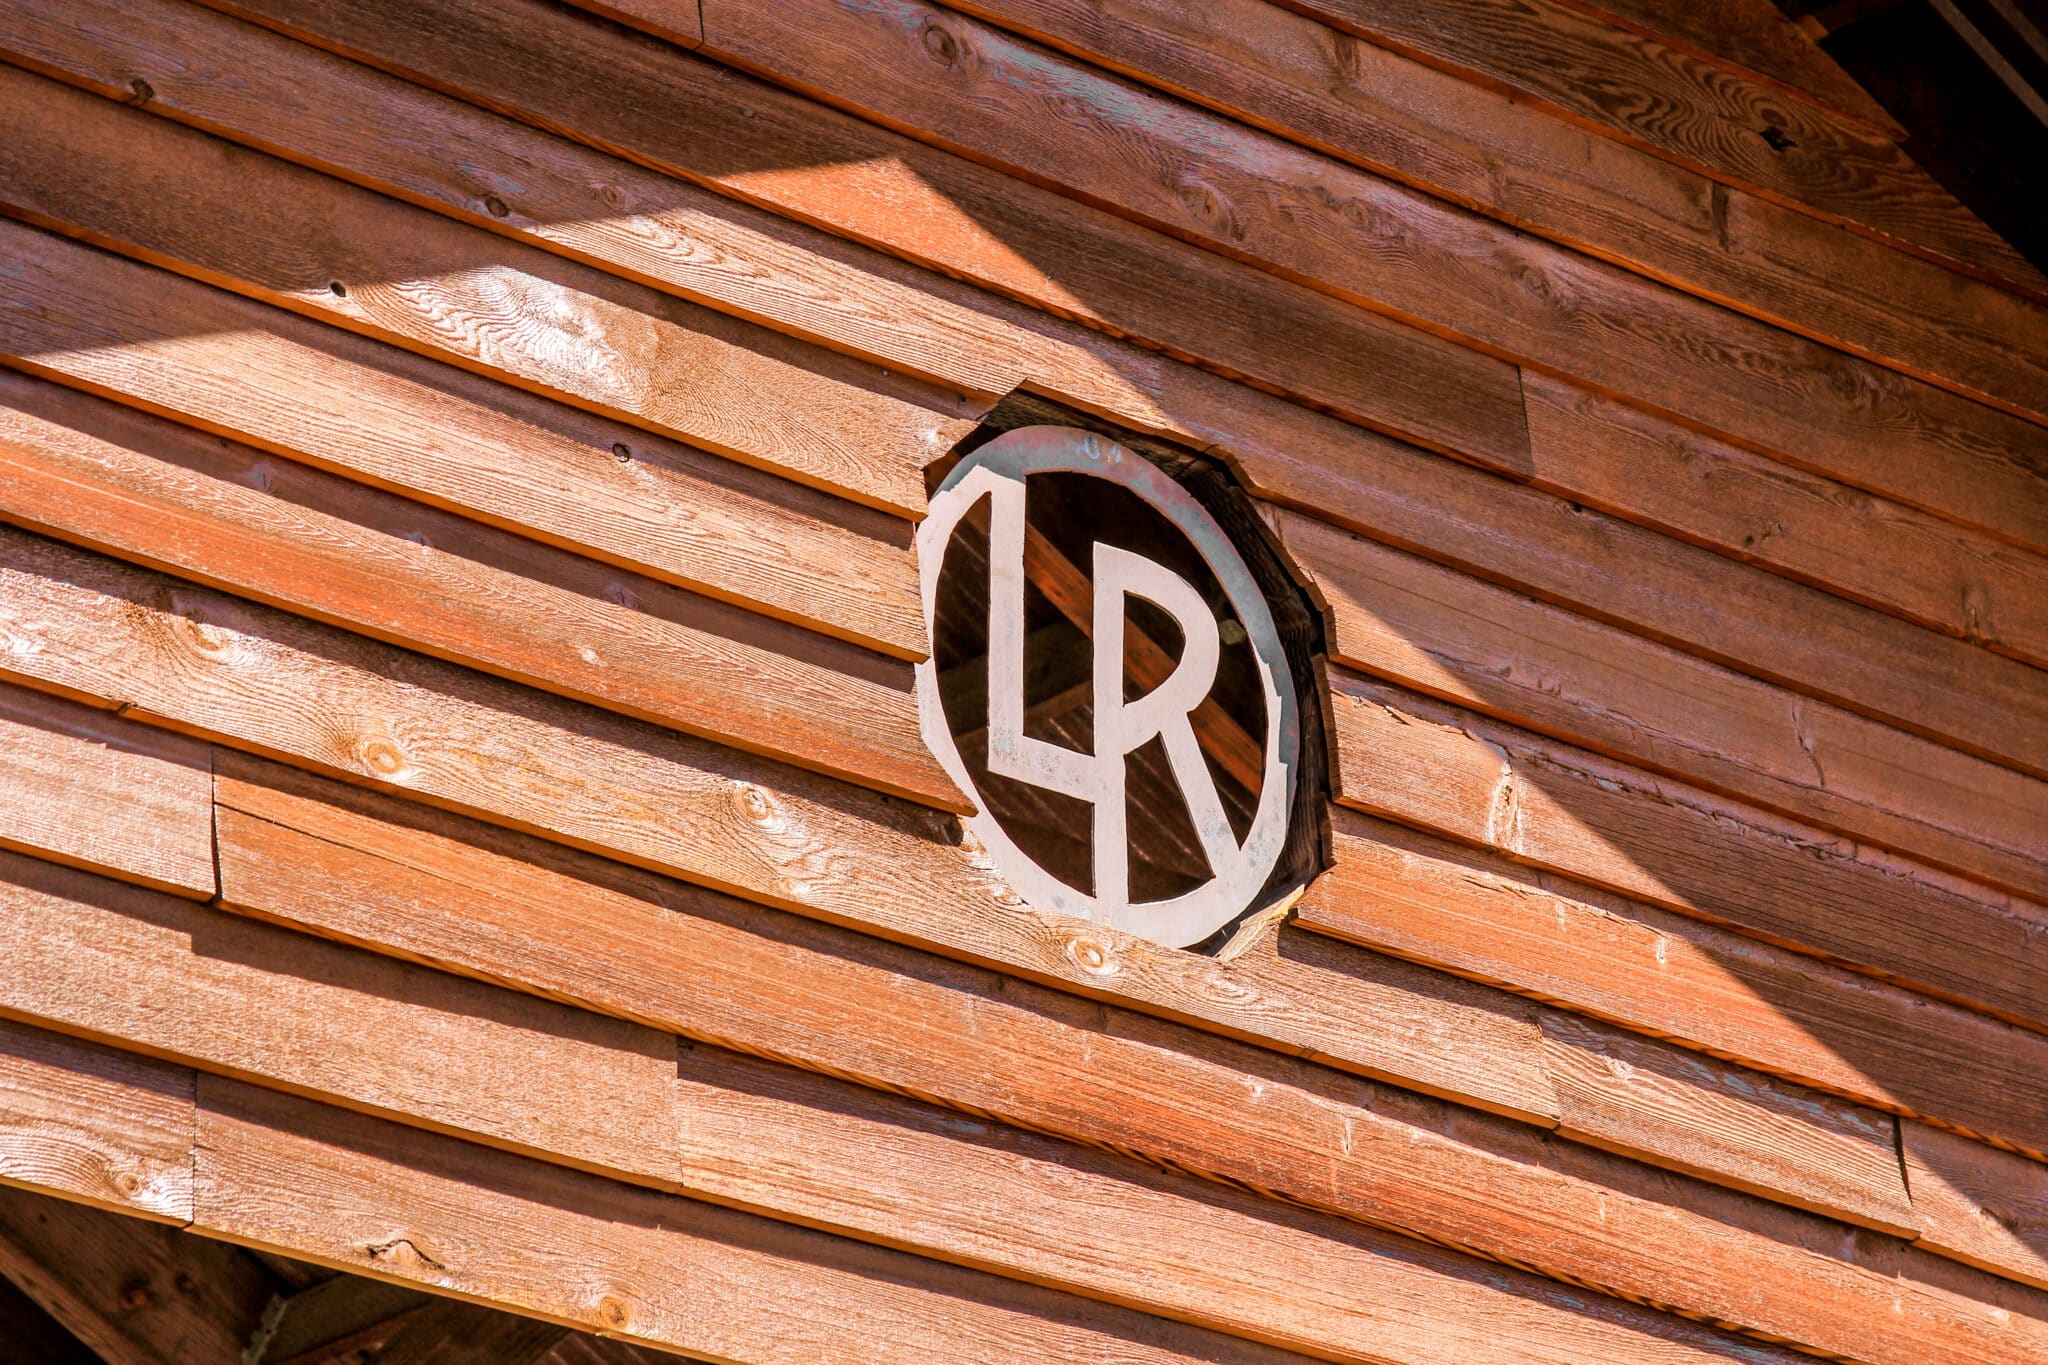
x=811, y=163
x=675, y=20
x=1694, y=113
x=1557, y=672
x=412, y=278
x=360, y=867
x=87, y=788
x=375, y=715
x=136, y=1292
x=1753, y=36
x=91, y=1124
x=1383, y=246
x=93, y=957
x=752, y=1133
x=1486, y=151
x=1483, y=782
x=112, y=479
x=1726, y=1123
x=999, y=1048
x=1982, y=1206
x=1674, y=977
x=1881, y=553
x=364, y=1195
x=523, y=463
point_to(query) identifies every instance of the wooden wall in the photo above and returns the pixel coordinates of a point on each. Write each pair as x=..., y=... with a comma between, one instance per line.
x=463, y=811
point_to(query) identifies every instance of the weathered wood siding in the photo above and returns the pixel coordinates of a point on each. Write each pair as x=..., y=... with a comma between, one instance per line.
x=462, y=811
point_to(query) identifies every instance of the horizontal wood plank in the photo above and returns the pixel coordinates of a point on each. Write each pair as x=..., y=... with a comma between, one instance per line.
x=1483, y=782
x=1875, y=551
x=86, y=1122
x=753, y=1133
x=1726, y=1124
x=87, y=788
x=177, y=198
x=1665, y=100
x=151, y=973
x=811, y=163
x=1674, y=977
x=364, y=1195
x=1387, y=248
x=1002, y=1049
x=1753, y=36
x=523, y=463
x=286, y=687
x=1445, y=633
x=1484, y=150
x=113, y=479
x=1980, y=1205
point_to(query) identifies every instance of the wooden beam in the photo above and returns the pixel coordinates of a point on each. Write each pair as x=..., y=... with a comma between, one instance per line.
x=147, y=490
x=1560, y=673
x=452, y=1333
x=29, y=1336
x=1982, y=1206
x=136, y=1292
x=89, y=789
x=322, y=1321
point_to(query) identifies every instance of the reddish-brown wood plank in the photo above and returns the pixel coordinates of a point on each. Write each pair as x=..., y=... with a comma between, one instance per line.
x=113, y=479
x=1980, y=1205
x=1668, y=102
x=1671, y=976
x=751, y=1132
x=1445, y=769
x=88, y=1123
x=1753, y=36
x=540, y=468
x=397, y=273
x=1452, y=636
x=287, y=687
x=467, y=1334
x=89, y=789
x=1487, y=151
x=816, y=165
x=94, y=957
x=676, y=20
x=1384, y=246
x=1003, y=1049
x=136, y=1292
x=366, y=1196
x=1873, y=550
x=1726, y=1123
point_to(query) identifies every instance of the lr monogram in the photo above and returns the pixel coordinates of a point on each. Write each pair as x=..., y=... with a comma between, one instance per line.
x=993, y=484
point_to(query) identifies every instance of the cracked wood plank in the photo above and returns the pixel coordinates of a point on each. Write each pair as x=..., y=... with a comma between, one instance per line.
x=1982, y=1206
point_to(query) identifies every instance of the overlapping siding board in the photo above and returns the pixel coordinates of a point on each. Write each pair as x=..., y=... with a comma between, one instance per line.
x=464, y=812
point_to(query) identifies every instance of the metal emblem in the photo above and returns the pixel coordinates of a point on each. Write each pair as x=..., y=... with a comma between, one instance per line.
x=993, y=487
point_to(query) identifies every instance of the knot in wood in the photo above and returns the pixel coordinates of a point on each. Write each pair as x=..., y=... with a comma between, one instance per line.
x=1092, y=956
x=495, y=206
x=206, y=636
x=135, y=1295
x=381, y=756
x=943, y=46
x=611, y=1310
x=755, y=804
